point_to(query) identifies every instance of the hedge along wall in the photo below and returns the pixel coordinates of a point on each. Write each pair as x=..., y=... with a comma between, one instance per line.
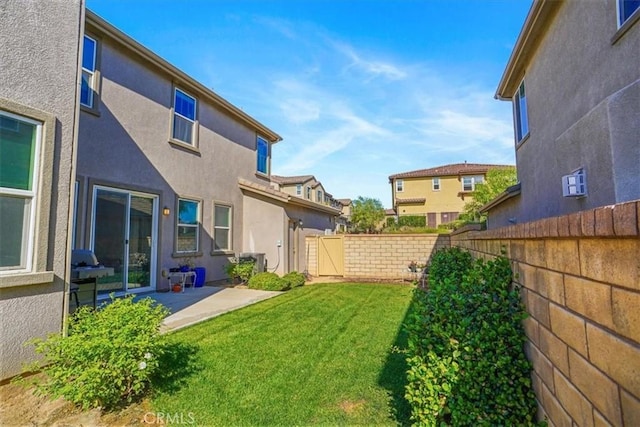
x=379, y=256
x=580, y=278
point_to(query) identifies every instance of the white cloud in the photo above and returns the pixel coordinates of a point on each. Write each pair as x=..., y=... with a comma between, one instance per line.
x=374, y=68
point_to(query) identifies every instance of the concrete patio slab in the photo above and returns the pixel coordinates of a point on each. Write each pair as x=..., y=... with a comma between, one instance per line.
x=195, y=305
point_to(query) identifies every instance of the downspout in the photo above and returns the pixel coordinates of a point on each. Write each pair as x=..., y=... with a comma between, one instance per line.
x=72, y=173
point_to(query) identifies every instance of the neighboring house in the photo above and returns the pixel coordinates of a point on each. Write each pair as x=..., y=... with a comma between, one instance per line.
x=163, y=163
x=343, y=223
x=38, y=93
x=438, y=193
x=575, y=90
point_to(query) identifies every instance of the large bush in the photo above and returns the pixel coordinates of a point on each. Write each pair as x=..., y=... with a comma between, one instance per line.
x=109, y=355
x=294, y=279
x=412, y=221
x=268, y=281
x=241, y=270
x=465, y=352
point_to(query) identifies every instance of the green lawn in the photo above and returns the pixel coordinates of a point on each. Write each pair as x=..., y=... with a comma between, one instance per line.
x=315, y=355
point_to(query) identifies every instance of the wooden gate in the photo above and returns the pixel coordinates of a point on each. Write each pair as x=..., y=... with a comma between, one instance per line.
x=330, y=256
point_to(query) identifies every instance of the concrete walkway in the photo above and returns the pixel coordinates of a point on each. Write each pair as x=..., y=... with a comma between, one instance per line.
x=197, y=304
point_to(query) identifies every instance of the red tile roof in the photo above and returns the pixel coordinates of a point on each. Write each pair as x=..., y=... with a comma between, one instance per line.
x=410, y=200
x=449, y=170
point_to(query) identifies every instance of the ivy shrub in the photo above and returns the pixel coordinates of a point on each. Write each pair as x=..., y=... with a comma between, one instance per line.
x=268, y=281
x=108, y=357
x=294, y=279
x=465, y=352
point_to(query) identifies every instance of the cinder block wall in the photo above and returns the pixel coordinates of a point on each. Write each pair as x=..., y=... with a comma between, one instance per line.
x=580, y=278
x=380, y=256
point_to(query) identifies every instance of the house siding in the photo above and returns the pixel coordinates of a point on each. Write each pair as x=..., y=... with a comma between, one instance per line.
x=127, y=146
x=39, y=69
x=583, y=93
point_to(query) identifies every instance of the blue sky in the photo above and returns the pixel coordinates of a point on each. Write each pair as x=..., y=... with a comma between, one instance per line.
x=358, y=89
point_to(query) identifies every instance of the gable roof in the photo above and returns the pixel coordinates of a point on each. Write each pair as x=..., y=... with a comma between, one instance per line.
x=454, y=169
x=345, y=202
x=96, y=23
x=285, y=180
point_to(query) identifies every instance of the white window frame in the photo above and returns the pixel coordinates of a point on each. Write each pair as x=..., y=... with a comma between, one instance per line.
x=92, y=73
x=29, y=230
x=521, y=132
x=308, y=194
x=196, y=226
x=219, y=227
x=435, y=183
x=193, y=121
x=475, y=180
x=298, y=189
x=621, y=20
x=399, y=185
x=319, y=196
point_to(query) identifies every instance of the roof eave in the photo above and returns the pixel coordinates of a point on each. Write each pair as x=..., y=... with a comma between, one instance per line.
x=535, y=25
x=95, y=21
x=510, y=192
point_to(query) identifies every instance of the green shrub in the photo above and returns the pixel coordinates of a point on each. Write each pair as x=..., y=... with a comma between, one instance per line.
x=390, y=221
x=294, y=279
x=242, y=270
x=109, y=355
x=268, y=282
x=412, y=221
x=465, y=346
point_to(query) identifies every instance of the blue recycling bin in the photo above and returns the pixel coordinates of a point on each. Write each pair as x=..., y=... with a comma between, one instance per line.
x=201, y=274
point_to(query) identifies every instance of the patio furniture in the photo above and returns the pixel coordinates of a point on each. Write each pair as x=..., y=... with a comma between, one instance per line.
x=182, y=276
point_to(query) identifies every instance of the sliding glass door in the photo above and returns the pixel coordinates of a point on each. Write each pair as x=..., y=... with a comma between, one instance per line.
x=124, y=238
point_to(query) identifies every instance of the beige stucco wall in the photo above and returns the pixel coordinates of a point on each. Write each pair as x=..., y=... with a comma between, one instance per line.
x=583, y=93
x=38, y=65
x=127, y=146
x=437, y=201
x=580, y=279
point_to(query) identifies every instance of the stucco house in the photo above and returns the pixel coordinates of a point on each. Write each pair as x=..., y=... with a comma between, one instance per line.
x=574, y=80
x=38, y=93
x=343, y=223
x=438, y=193
x=305, y=187
x=169, y=172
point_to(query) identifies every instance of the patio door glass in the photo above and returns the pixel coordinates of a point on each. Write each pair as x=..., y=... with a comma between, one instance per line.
x=123, y=238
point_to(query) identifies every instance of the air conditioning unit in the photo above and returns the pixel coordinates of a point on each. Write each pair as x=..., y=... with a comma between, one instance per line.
x=575, y=185
x=254, y=256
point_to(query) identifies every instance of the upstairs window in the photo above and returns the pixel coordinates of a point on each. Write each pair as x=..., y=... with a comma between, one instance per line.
x=19, y=170
x=469, y=182
x=184, y=117
x=399, y=186
x=221, y=228
x=522, y=118
x=88, y=85
x=308, y=195
x=262, y=148
x=435, y=183
x=188, y=226
x=319, y=196
x=298, y=189
x=626, y=8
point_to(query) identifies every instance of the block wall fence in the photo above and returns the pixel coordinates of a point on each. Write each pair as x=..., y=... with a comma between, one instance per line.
x=580, y=282
x=380, y=256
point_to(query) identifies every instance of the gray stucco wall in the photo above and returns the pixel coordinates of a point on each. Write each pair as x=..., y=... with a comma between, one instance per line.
x=583, y=102
x=38, y=65
x=127, y=146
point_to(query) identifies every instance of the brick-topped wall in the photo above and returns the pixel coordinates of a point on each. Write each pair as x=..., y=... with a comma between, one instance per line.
x=380, y=256
x=580, y=278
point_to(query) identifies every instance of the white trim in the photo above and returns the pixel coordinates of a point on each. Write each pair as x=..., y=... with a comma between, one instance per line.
x=229, y=228
x=434, y=180
x=91, y=72
x=401, y=182
x=31, y=195
x=196, y=226
x=517, y=114
x=192, y=121
x=619, y=14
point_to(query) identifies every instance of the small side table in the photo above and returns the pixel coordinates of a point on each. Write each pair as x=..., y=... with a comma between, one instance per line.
x=183, y=278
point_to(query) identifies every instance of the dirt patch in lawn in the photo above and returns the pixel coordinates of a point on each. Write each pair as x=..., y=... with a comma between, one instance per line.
x=349, y=406
x=21, y=406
